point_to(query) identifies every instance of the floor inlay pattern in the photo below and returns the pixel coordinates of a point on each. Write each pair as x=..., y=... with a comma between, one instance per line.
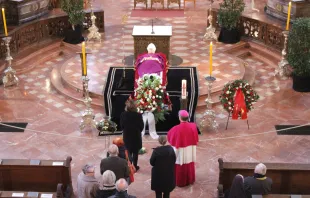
x=53, y=118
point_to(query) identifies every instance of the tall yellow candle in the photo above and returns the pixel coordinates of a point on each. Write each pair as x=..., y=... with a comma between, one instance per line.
x=4, y=23
x=210, y=61
x=288, y=16
x=84, y=68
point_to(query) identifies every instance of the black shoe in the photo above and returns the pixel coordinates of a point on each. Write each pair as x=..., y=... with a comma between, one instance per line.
x=137, y=168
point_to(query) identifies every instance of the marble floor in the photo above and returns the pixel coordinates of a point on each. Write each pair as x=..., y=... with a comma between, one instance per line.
x=52, y=132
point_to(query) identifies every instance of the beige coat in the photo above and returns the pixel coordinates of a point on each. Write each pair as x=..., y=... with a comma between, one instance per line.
x=86, y=186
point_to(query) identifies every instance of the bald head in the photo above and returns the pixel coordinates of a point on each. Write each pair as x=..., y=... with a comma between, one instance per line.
x=113, y=150
x=121, y=185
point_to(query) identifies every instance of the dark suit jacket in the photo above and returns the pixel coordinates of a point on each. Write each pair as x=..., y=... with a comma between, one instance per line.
x=116, y=164
x=255, y=186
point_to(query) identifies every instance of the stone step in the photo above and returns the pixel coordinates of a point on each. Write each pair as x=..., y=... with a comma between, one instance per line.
x=57, y=82
x=67, y=51
x=26, y=60
x=79, y=88
x=267, y=55
x=249, y=76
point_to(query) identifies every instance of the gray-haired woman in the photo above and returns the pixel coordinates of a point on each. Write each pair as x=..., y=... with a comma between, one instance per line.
x=107, y=187
x=163, y=176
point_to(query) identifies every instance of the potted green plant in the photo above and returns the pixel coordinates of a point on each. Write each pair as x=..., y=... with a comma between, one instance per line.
x=298, y=55
x=74, y=9
x=228, y=17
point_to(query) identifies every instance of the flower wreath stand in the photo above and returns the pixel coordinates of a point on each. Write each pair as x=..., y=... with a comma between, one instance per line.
x=237, y=99
x=229, y=116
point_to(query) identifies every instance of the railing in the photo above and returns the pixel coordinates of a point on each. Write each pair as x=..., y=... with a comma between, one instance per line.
x=253, y=29
x=50, y=27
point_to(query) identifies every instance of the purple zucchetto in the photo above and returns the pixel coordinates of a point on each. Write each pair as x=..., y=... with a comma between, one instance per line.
x=183, y=113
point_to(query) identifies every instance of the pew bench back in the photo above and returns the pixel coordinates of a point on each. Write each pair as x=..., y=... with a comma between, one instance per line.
x=29, y=175
x=8, y=194
x=57, y=194
x=287, y=178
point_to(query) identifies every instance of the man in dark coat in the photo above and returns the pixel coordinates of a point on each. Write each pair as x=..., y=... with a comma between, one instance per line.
x=258, y=184
x=114, y=163
x=163, y=174
x=132, y=125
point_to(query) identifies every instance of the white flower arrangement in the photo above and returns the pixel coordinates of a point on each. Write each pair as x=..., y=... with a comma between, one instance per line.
x=150, y=96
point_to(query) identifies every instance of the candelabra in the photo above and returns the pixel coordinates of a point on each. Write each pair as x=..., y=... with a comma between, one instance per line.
x=209, y=116
x=9, y=78
x=210, y=31
x=88, y=114
x=282, y=65
x=93, y=30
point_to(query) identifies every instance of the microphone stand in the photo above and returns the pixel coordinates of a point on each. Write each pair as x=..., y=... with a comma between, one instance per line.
x=152, y=27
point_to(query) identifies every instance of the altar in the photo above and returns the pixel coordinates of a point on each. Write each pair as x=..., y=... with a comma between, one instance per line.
x=142, y=36
x=279, y=9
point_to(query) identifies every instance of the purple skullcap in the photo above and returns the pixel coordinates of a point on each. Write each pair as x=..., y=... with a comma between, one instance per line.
x=183, y=113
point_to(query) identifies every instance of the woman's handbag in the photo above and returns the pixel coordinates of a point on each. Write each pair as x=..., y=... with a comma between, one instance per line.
x=131, y=167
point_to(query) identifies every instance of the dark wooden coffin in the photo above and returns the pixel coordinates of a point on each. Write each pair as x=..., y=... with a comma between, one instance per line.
x=21, y=11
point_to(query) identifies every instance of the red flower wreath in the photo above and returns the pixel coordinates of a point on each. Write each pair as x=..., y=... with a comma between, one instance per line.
x=228, y=95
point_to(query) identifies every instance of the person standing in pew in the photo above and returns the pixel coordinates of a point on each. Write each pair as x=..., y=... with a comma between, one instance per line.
x=258, y=184
x=87, y=184
x=121, y=187
x=237, y=188
x=121, y=147
x=107, y=185
x=163, y=176
x=114, y=163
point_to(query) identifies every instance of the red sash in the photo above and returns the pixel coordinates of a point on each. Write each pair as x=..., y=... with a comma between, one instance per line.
x=239, y=106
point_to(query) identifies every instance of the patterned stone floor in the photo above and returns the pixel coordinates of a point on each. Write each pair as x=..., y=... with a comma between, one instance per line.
x=53, y=119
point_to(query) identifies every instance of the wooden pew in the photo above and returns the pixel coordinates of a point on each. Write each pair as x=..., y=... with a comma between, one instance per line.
x=287, y=178
x=36, y=175
x=57, y=194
